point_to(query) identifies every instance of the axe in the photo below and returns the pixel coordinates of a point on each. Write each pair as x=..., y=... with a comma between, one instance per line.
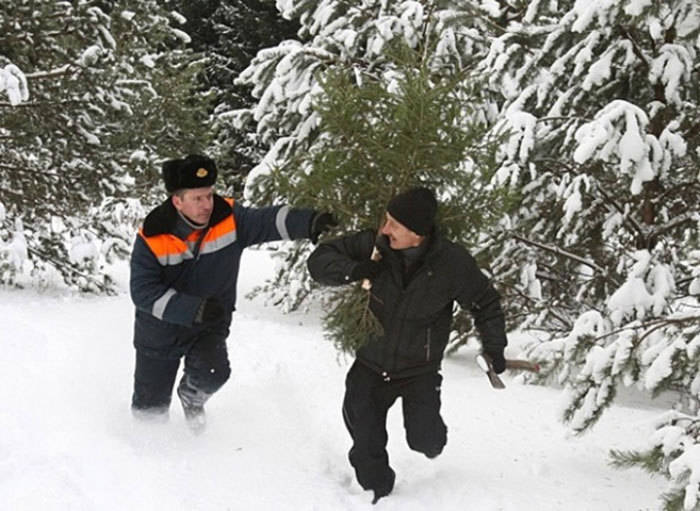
x=484, y=362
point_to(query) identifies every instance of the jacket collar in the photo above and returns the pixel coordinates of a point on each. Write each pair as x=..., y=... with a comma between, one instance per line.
x=164, y=218
x=395, y=260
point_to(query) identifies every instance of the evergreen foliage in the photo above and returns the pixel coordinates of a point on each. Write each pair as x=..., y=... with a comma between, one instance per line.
x=651, y=461
x=286, y=78
x=601, y=254
x=599, y=106
x=409, y=127
x=348, y=322
x=104, y=92
x=593, y=107
x=384, y=110
x=230, y=34
x=412, y=127
x=672, y=452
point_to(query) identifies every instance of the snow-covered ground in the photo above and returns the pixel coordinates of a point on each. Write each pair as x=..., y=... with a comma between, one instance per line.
x=275, y=438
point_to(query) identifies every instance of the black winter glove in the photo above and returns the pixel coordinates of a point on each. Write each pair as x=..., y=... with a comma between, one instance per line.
x=365, y=270
x=209, y=311
x=320, y=223
x=498, y=361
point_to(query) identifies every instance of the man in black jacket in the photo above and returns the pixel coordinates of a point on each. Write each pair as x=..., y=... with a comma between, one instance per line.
x=414, y=284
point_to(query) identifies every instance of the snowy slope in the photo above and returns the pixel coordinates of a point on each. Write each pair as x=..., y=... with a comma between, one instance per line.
x=275, y=438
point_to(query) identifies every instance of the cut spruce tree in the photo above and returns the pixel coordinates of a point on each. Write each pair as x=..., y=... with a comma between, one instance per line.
x=380, y=97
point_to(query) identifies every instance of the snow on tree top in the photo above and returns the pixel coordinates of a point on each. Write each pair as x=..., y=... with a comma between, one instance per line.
x=14, y=84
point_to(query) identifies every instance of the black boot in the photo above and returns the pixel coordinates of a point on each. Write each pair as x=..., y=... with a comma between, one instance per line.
x=385, y=488
x=154, y=415
x=193, y=405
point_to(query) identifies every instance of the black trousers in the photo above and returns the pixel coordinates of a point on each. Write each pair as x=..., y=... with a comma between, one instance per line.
x=206, y=368
x=367, y=401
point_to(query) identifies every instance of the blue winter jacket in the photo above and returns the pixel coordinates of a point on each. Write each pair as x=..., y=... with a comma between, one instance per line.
x=173, y=270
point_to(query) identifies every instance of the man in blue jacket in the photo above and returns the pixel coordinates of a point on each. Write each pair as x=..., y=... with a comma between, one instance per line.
x=414, y=285
x=184, y=269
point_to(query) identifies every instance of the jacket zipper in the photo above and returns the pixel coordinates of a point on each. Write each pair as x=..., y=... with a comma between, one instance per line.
x=427, y=347
x=198, y=246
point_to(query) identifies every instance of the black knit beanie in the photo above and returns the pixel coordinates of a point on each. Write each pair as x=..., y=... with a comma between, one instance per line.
x=194, y=171
x=415, y=209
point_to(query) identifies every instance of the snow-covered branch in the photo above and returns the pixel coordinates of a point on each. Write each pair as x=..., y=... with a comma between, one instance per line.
x=643, y=329
x=621, y=210
x=560, y=251
x=53, y=73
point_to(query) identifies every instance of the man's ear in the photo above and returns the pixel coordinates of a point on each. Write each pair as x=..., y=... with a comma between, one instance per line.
x=177, y=201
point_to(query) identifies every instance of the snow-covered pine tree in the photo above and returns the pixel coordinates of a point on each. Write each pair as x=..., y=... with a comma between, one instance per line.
x=602, y=105
x=230, y=34
x=354, y=41
x=104, y=92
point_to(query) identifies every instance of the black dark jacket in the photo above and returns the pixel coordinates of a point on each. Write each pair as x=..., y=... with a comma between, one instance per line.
x=416, y=314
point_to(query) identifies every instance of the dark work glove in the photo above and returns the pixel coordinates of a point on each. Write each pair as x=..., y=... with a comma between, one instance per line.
x=365, y=270
x=498, y=361
x=320, y=223
x=209, y=311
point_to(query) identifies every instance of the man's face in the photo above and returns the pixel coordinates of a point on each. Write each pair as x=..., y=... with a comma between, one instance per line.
x=399, y=235
x=196, y=204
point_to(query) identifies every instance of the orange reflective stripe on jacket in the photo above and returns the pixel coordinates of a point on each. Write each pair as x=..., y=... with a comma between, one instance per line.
x=171, y=250
x=168, y=249
x=219, y=236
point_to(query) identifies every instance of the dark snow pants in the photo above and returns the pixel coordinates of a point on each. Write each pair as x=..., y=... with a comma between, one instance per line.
x=367, y=401
x=206, y=368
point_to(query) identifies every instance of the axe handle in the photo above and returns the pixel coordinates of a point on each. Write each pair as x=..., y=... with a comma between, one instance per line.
x=524, y=365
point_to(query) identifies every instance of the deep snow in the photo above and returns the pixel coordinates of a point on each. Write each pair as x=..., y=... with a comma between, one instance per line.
x=275, y=438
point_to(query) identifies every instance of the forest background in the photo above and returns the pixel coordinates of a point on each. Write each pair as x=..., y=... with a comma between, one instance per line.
x=561, y=137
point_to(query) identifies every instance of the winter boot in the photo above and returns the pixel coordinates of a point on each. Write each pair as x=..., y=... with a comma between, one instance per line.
x=154, y=415
x=384, y=489
x=193, y=405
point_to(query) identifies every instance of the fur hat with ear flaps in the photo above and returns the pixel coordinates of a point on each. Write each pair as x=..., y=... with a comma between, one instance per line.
x=415, y=209
x=194, y=171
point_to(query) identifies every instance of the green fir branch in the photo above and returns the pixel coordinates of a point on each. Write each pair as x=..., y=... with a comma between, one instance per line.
x=349, y=323
x=652, y=461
